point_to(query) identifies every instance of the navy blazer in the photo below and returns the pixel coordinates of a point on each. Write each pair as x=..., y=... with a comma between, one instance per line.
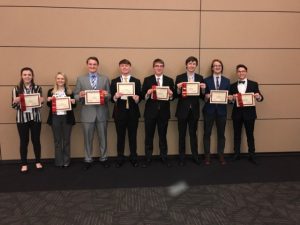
x=220, y=109
x=190, y=102
x=248, y=112
x=120, y=111
x=154, y=108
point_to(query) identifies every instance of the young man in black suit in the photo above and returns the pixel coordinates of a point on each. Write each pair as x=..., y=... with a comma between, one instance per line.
x=157, y=112
x=244, y=115
x=188, y=109
x=126, y=113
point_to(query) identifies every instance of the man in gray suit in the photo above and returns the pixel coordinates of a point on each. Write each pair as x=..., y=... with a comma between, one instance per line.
x=93, y=116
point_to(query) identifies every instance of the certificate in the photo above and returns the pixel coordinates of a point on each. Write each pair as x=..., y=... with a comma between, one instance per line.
x=63, y=103
x=218, y=96
x=32, y=100
x=161, y=93
x=93, y=97
x=244, y=100
x=127, y=89
x=192, y=88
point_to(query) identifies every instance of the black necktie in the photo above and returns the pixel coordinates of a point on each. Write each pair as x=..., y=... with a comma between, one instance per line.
x=241, y=81
x=218, y=83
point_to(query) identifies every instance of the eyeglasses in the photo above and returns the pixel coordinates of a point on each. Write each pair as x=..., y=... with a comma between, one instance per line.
x=217, y=65
x=158, y=65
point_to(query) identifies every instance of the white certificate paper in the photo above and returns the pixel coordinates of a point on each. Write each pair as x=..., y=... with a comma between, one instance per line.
x=63, y=103
x=92, y=97
x=247, y=100
x=32, y=100
x=218, y=96
x=162, y=93
x=127, y=89
x=192, y=88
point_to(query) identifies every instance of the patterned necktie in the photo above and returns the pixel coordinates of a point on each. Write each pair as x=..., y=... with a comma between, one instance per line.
x=157, y=81
x=93, y=82
x=218, y=83
x=125, y=80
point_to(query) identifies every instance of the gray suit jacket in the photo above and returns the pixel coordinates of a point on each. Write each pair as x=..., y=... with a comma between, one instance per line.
x=92, y=113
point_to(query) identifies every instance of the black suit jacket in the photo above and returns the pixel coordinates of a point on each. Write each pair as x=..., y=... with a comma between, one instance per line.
x=244, y=112
x=189, y=102
x=120, y=111
x=154, y=108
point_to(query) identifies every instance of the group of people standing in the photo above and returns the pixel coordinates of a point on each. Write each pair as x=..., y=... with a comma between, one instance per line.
x=126, y=113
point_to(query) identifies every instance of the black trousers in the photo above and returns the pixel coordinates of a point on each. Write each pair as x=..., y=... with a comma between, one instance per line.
x=249, y=127
x=192, y=122
x=35, y=129
x=209, y=120
x=131, y=125
x=162, y=127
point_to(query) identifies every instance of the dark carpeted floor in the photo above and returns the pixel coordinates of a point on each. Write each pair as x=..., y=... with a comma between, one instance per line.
x=239, y=193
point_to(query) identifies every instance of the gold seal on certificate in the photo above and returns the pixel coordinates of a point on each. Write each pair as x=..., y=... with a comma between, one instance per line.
x=63, y=103
x=32, y=100
x=244, y=100
x=192, y=88
x=92, y=97
x=218, y=96
x=127, y=89
x=162, y=93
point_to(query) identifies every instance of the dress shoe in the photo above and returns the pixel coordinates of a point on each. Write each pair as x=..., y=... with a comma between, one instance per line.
x=24, y=169
x=166, y=162
x=87, y=165
x=134, y=163
x=253, y=160
x=207, y=160
x=236, y=157
x=146, y=163
x=222, y=160
x=105, y=164
x=181, y=163
x=39, y=166
x=119, y=163
x=196, y=161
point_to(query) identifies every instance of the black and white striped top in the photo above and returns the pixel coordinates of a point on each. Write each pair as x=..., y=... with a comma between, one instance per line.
x=32, y=114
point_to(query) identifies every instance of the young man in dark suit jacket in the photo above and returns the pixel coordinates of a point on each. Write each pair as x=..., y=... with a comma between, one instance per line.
x=126, y=113
x=215, y=112
x=188, y=109
x=244, y=115
x=157, y=112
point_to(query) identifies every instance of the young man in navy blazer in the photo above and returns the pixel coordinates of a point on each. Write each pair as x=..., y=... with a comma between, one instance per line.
x=244, y=115
x=215, y=112
x=126, y=113
x=188, y=109
x=157, y=112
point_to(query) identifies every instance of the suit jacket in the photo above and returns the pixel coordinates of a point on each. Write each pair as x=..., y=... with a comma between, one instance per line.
x=120, y=111
x=91, y=113
x=154, y=108
x=190, y=102
x=221, y=109
x=248, y=112
x=70, y=113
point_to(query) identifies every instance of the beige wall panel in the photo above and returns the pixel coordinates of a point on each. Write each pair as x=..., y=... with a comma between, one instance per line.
x=250, y=30
x=254, y=5
x=47, y=61
x=266, y=66
x=117, y=4
x=105, y=28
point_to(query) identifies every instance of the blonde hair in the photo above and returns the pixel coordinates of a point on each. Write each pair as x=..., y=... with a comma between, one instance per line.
x=67, y=88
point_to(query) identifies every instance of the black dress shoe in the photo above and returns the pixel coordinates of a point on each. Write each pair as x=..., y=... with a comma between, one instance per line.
x=87, y=166
x=119, y=164
x=134, y=163
x=236, y=157
x=197, y=161
x=181, y=163
x=166, y=162
x=253, y=160
x=105, y=164
x=146, y=163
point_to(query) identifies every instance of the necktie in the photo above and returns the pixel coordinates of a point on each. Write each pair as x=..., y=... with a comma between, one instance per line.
x=125, y=79
x=241, y=82
x=157, y=81
x=218, y=83
x=191, y=79
x=93, y=82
